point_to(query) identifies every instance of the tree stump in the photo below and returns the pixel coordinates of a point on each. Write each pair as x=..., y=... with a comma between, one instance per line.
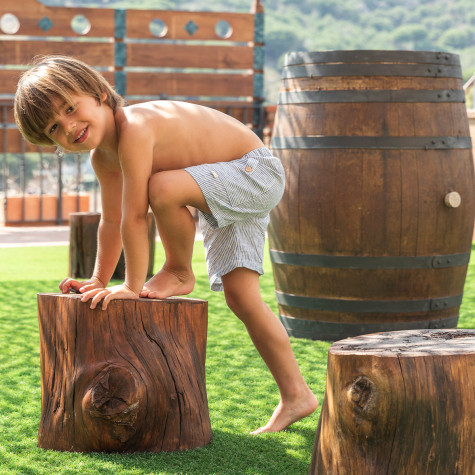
x=83, y=245
x=127, y=379
x=399, y=402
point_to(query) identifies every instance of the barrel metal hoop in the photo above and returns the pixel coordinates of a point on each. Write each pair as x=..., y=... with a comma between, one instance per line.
x=368, y=306
x=371, y=142
x=332, y=331
x=402, y=95
x=386, y=70
x=369, y=262
x=371, y=56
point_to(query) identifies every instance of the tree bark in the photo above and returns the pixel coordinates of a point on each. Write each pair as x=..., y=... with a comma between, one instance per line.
x=399, y=402
x=127, y=379
x=83, y=245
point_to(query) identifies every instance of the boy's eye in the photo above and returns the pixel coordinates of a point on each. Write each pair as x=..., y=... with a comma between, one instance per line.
x=70, y=109
x=52, y=128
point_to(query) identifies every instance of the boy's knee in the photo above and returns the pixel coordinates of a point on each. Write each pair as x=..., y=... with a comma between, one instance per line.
x=241, y=291
x=233, y=300
x=160, y=190
x=238, y=302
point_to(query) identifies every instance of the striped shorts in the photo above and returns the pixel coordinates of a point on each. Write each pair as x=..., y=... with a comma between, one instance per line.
x=240, y=195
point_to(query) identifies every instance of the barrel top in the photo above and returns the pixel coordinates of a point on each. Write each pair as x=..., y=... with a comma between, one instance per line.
x=408, y=343
x=372, y=56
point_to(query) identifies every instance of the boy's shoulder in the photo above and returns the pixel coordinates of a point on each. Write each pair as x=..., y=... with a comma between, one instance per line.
x=134, y=122
x=134, y=115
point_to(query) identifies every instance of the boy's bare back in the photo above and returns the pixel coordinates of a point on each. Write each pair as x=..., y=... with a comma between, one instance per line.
x=183, y=134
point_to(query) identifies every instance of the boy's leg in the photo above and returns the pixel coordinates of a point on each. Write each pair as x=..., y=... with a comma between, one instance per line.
x=169, y=194
x=241, y=289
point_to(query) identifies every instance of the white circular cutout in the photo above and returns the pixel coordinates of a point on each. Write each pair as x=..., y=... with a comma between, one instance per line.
x=158, y=28
x=9, y=23
x=81, y=25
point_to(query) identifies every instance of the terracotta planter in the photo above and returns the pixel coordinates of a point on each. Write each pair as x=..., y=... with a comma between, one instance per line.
x=42, y=208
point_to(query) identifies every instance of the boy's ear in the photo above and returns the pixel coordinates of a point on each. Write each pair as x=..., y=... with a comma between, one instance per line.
x=103, y=96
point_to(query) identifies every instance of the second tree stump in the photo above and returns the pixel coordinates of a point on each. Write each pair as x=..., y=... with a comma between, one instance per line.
x=399, y=403
x=127, y=379
x=83, y=245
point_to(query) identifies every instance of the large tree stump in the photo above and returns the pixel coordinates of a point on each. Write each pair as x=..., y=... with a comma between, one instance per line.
x=399, y=403
x=83, y=245
x=127, y=379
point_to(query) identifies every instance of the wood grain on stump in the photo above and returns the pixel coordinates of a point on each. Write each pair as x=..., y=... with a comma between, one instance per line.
x=127, y=379
x=399, y=402
x=83, y=229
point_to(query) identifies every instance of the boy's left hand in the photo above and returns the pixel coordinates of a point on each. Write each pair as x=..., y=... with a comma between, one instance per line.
x=106, y=295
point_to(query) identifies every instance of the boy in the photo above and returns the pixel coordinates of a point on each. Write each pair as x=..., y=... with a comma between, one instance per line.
x=168, y=155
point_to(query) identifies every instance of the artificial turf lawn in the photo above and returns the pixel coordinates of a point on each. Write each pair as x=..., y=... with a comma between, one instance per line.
x=241, y=392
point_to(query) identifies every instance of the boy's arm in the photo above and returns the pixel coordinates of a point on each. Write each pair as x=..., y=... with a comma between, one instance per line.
x=109, y=244
x=135, y=155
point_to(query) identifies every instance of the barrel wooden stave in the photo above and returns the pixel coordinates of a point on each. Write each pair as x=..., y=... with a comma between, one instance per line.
x=369, y=179
x=371, y=119
x=370, y=284
x=373, y=202
x=390, y=321
x=373, y=82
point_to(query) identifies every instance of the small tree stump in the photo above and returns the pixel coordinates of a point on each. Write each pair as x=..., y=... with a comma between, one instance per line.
x=127, y=379
x=83, y=245
x=399, y=402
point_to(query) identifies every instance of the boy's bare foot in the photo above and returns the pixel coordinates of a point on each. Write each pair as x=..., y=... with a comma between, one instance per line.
x=166, y=283
x=287, y=413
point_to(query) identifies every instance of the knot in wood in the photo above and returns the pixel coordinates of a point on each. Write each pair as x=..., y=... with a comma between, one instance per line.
x=112, y=404
x=359, y=409
x=361, y=393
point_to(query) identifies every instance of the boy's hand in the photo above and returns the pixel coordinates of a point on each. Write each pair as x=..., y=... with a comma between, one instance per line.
x=70, y=285
x=106, y=295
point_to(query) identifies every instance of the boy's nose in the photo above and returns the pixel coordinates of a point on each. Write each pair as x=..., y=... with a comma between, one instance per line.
x=69, y=127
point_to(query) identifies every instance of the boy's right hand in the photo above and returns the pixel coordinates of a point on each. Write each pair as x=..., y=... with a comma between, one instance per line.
x=70, y=285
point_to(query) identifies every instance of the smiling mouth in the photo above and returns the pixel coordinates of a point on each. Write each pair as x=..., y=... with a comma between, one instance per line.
x=81, y=135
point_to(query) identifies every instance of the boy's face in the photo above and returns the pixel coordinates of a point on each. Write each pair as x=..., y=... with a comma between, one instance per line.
x=78, y=127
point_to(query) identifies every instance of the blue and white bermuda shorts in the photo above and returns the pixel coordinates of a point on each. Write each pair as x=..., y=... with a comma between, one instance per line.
x=240, y=195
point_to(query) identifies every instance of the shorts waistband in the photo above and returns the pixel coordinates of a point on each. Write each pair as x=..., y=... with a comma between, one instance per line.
x=258, y=153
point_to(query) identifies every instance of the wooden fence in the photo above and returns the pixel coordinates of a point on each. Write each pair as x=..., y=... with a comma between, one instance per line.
x=210, y=58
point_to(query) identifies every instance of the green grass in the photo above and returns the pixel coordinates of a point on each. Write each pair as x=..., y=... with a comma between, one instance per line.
x=241, y=392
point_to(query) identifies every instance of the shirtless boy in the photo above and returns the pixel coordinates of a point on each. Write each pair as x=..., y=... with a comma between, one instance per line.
x=168, y=155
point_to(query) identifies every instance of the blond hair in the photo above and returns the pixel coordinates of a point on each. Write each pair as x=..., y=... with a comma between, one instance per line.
x=51, y=78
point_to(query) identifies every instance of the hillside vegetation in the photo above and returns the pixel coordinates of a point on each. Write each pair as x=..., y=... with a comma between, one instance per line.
x=318, y=25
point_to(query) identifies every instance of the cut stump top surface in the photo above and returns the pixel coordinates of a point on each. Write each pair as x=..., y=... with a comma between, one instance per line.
x=408, y=343
x=171, y=300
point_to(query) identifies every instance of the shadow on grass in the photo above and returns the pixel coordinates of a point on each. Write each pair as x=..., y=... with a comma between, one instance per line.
x=228, y=453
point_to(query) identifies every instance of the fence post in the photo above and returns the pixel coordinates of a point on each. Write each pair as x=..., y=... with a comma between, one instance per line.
x=259, y=55
x=5, y=165
x=78, y=181
x=23, y=178
x=120, y=52
x=59, y=155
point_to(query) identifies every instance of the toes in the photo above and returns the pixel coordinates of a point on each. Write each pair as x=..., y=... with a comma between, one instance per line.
x=145, y=292
x=153, y=295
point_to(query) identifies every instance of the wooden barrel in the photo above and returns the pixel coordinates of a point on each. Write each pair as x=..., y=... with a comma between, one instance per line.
x=374, y=230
